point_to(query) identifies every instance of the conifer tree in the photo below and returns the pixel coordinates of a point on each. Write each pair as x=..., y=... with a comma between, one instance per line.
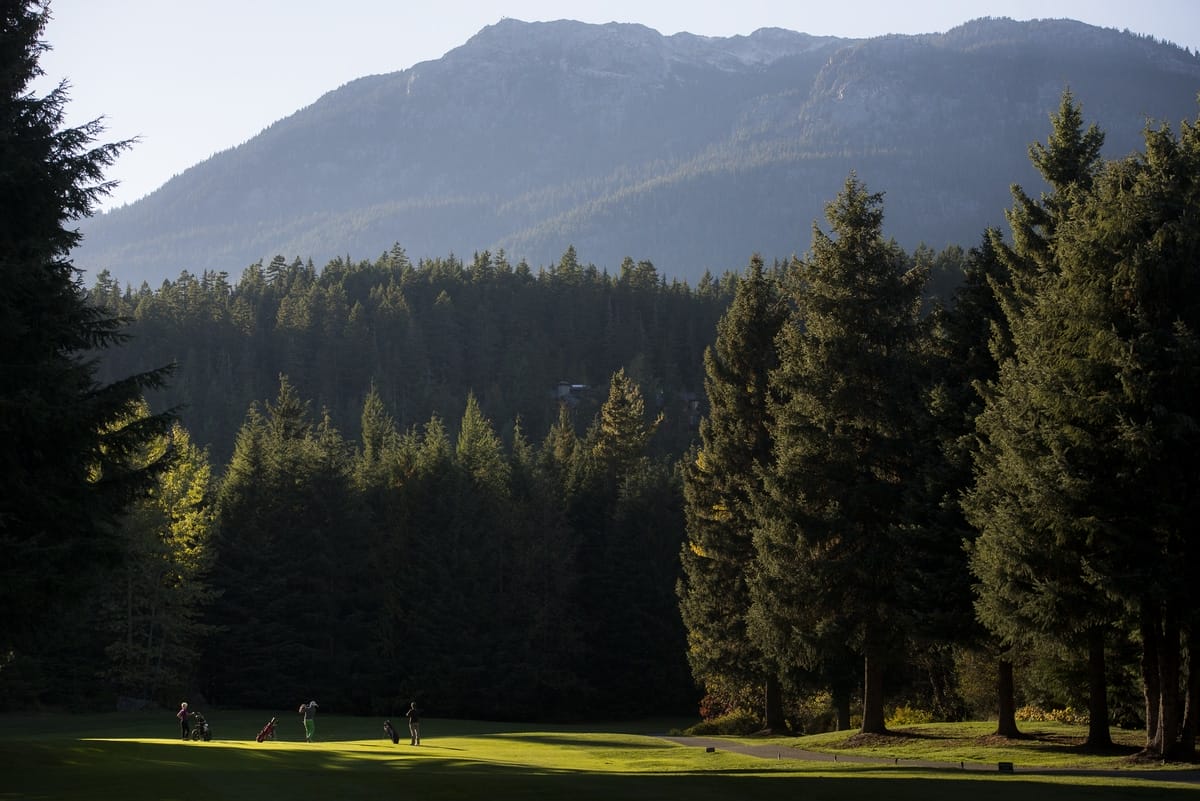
x=545, y=643
x=720, y=482
x=831, y=529
x=469, y=606
x=479, y=451
x=63, y=458
x=153, y=606
x=621, y=432
x=561, y=451
x=1024, y=496
x=1068, y=162
x=244, y=572
x=383, y=459
x=469, y=544
x=1126, y=408
x=379, y=435
x=613, y=471
x=965, y=362
x=1149, y=206
x=1044, y=475
x=290, y=557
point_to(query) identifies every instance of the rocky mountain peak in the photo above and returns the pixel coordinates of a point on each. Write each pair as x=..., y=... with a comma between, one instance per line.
x=619, y=48
x=689, y=151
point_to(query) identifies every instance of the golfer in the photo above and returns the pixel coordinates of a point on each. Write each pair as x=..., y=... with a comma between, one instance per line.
x=414, y=723
x=184, y=725
x=309, y=711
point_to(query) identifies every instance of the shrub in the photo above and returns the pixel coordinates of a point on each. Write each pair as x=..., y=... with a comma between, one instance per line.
x=723, y=695
x=738, y=722
x=812, y=714
x=1069, y=715
x=908, y=716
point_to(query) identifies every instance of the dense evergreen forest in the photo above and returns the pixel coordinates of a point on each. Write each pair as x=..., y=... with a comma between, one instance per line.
x=804, y=496
x=363, y=371
x=527, y=571
x=425, y=336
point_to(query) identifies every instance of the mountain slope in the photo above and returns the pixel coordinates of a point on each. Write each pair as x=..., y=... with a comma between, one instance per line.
x=691, y=152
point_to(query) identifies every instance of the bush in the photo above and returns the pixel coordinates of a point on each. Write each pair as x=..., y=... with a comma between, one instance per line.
x=813, y=714
x=908, y=716
x=723, y=695
x=1069, y=715
x=738, y=722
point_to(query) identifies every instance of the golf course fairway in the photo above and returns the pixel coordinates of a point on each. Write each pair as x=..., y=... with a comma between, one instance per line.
x=130, y=757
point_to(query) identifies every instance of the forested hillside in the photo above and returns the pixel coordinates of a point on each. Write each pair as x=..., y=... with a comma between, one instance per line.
x=523, y=581
x=445, y=480
x=454, y=480
x=424, y=336
x=690, y=152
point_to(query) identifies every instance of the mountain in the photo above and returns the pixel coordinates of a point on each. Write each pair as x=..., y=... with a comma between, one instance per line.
x=691, y=152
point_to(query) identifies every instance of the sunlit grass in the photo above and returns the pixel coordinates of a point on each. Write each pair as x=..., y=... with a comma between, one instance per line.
x=1042, y=745
x=134, y=757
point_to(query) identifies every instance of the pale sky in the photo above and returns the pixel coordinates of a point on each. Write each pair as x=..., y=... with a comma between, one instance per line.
x=191, y=78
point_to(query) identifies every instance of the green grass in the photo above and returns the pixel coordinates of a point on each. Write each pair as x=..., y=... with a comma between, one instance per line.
x=136, y=756
x=1043, y=745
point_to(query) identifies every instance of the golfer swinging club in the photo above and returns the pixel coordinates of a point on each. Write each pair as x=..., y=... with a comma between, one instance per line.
x=309, y=711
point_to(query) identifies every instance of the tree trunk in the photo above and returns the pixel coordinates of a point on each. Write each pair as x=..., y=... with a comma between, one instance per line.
x=1191, y=716
x=1098, y=733
x=773, y=700
x=937, y=684
x=873, y=720
x=841, y=708
x=1153, y=692
x=1166, y=740
x=1006, y=692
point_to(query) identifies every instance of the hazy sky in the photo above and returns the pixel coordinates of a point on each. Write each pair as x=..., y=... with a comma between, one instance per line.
x=191, y=78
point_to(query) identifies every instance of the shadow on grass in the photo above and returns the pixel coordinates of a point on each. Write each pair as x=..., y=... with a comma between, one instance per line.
x=162, y=771
x=1035, y=741
x=1054, y=743
x=573, y=740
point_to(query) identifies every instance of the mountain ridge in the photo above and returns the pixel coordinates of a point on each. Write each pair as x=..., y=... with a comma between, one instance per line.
x=691, y=152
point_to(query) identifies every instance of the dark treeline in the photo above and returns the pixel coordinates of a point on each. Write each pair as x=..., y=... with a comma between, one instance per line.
x=423, y=335
x=377, y=537
x=531, y=581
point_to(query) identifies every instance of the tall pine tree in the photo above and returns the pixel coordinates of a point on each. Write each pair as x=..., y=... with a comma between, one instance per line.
x=720, y=483
x=291, y=562
x=65, y=438
x=612, y=471
x=832, y=524
x=965, y=363
x=1129, y=270
x=152, y=608
x=1024, y=494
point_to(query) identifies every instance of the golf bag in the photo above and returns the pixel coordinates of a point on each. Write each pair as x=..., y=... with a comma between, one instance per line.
x=267, y=732
x=200, y=729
